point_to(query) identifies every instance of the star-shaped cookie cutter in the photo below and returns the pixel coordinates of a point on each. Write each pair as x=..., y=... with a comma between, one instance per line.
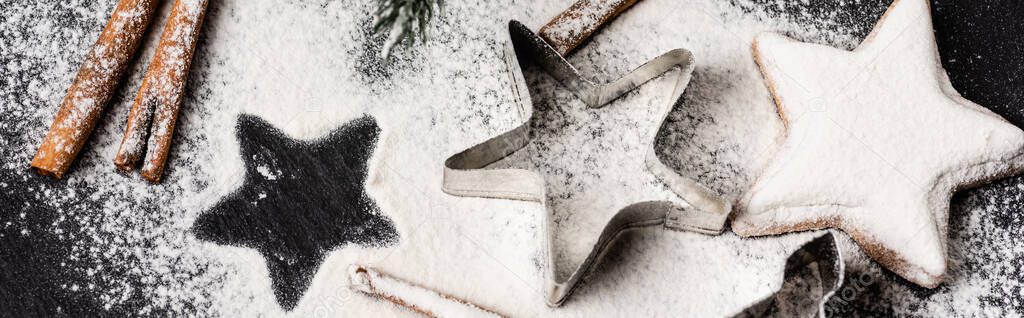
x=465, y=174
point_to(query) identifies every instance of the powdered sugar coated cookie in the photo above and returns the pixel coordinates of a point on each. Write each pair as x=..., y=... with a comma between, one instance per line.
x=877, y=141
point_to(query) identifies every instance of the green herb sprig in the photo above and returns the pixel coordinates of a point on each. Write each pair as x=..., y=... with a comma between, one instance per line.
x=406, y=19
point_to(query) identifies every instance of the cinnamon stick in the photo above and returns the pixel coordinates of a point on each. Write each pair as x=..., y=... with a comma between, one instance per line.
x=570, y=28
x=420, y=299
x=151, y=122
x=92, y=88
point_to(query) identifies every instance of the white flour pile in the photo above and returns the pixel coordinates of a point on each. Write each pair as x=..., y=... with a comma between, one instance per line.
x=307, y=67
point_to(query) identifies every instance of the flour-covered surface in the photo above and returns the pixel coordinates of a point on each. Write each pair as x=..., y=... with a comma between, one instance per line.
x=102, y=242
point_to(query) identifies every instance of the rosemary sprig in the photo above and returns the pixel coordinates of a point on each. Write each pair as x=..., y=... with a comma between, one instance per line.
x=406, y=19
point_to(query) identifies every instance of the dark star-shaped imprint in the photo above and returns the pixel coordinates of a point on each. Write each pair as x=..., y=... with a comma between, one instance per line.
x=299, y=200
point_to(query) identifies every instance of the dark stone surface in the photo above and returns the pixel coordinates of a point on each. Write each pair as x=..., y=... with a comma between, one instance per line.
x=982, y=48
x=35, y=271
x=299, y=201
x=41, y=273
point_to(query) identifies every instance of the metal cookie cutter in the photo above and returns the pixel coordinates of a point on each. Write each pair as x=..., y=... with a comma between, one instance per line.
x=465, y=173
x=813, y=274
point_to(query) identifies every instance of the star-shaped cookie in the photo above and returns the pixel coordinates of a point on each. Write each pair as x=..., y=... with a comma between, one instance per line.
x=299, y=200
x=877, y=142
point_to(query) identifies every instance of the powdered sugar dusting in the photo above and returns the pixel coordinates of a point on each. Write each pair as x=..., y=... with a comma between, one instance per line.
x=308, y=66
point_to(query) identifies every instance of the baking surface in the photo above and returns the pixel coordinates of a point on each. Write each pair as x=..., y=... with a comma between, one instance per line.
x=101, y=242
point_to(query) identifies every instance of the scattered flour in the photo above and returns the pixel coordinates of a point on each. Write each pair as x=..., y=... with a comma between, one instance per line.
x=308, y=66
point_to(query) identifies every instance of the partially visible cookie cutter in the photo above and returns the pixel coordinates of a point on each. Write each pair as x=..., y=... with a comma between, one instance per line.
x=814, y=273
x=464, y=173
